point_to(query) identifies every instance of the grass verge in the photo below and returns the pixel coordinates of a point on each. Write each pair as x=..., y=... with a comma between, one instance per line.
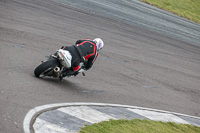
x=138, y=126
x=189, y=9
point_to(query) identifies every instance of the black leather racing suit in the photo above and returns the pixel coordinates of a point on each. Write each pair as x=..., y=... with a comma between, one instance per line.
x=83, y=51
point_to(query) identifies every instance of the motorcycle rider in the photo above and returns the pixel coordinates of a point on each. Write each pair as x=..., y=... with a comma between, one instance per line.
x=84, y=51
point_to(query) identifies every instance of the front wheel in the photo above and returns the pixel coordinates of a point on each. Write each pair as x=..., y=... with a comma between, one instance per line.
x=46, y=67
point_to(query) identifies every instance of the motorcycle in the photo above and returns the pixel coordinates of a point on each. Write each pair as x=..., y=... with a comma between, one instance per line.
x=58, y=65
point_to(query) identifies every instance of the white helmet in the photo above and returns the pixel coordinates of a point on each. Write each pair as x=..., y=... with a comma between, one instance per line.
x=99, y=43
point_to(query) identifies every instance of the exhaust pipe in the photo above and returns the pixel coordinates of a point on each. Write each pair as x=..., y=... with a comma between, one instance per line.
x=56, y=71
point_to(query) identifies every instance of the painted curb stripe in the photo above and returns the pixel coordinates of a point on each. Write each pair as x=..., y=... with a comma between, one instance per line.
x=119, y=113
x=86, y=113
x=194, y=122
x=33, y=113
x=159, y=116
x=43, y=126
x=62, y=119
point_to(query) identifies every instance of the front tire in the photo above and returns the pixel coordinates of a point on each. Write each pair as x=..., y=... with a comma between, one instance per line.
x=46, y=66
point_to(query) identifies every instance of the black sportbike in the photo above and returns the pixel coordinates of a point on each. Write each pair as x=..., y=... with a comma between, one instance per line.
x=58, y=65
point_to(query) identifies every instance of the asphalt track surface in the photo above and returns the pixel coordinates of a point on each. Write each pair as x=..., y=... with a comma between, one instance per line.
x=138, y=66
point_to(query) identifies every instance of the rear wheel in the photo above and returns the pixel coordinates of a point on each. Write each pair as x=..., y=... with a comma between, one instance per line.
x=46, y=67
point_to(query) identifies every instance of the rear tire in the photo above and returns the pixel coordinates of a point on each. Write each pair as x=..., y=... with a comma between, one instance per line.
x=51, y=63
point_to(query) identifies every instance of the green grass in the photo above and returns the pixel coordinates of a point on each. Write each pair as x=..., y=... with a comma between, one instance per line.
x=138, y=126
x=189, y=9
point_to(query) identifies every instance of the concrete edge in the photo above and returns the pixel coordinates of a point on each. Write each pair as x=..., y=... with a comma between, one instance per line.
x=33, y=113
